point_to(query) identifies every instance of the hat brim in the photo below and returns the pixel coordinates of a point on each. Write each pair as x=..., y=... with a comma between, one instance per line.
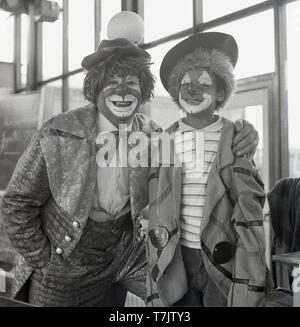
x=103, y=53
x=208, y=40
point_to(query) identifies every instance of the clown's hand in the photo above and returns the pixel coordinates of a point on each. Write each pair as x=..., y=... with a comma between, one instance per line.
x=245, y=140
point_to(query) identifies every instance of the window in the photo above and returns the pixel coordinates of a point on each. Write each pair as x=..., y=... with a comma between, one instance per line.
x=157, y=55
x=256, y=44
x=51, y=100
x=52, y=48
x=76, y=97
x=166, y=17
x=6, y=36
x=24, y=48
x=81, y=31
x=108, y=10
x=293, y=73
x=213, y=9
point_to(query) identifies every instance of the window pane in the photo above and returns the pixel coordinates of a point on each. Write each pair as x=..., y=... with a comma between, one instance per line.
x=216, y=8
x=293, y=73
x=76, y=97
x=108, y=9
x=6, y=36
x=51, y=100
x=166, y=17
x=81, y=31
x=24, y=48
x=60, y=3
x=18, y=122
x=255, y=39
x=52, y=48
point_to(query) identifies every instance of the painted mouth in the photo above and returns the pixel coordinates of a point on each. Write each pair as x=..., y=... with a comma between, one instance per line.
x=122, y=104
x=193, y=102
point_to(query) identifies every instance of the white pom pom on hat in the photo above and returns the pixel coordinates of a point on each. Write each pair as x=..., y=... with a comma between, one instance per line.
x=127, y=25
x=125, y=30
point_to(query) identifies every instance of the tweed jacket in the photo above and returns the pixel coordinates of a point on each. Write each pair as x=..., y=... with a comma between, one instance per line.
x=49, y=197
x=232, y=220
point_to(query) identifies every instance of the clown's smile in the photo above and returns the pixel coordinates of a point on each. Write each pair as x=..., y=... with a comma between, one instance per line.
x=122, y=106
x=193, y=102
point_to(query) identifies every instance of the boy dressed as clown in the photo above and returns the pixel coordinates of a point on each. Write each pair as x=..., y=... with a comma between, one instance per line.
x=206, y=244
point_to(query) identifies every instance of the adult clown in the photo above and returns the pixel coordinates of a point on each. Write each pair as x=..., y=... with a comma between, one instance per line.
x=73, y=223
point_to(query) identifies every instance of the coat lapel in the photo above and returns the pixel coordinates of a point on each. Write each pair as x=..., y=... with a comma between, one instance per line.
x=215, y=186
x=215, y=191
x=70, y=157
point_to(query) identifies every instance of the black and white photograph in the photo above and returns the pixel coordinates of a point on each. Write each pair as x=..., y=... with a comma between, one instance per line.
x=150, y=156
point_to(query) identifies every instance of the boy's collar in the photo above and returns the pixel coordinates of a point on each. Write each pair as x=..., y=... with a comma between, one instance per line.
x=224, y=157
x=214, y=127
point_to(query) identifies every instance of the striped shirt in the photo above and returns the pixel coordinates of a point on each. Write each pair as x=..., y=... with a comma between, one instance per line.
x=196, y=166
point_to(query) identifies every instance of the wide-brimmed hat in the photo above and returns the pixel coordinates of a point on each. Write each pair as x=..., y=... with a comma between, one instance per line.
x=208, y=40
x=108, y=48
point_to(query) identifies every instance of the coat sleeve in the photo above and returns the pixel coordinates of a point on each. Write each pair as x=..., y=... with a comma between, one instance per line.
x=249, y=273
x=23, y=199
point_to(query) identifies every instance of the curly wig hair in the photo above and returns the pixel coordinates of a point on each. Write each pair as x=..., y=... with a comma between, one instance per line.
x=215, y=60
x=95, y=78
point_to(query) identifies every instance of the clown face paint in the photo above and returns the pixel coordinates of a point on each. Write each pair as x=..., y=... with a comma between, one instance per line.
x=120, y=98
x=198, y=91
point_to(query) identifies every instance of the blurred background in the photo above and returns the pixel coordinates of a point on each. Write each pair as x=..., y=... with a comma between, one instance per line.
x=43, y=43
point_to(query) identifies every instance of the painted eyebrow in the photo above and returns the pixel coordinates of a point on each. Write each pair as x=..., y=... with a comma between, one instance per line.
x=205, y=78
x=185, y=78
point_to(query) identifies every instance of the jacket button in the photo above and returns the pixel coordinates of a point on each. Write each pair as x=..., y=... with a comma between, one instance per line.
x=68, y=238
x=76, y=224
x=59, y=250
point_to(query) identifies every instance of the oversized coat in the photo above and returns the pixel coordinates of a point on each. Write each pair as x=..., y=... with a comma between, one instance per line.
x=49, y=197
x=233, y=214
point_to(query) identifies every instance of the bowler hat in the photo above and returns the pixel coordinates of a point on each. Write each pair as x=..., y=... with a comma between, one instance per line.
x=208, y=40
x=108, y=48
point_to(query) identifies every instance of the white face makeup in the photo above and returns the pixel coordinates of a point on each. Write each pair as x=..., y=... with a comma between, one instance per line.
x=197, y=91
x=122, y=95
x=193, y=107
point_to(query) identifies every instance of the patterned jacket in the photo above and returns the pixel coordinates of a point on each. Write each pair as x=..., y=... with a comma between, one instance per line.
x=49, y=197
x=232, y=232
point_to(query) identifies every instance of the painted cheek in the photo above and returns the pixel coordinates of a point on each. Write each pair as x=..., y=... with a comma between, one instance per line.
x=207, y=99
x=108, y=91
x=136, y=93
